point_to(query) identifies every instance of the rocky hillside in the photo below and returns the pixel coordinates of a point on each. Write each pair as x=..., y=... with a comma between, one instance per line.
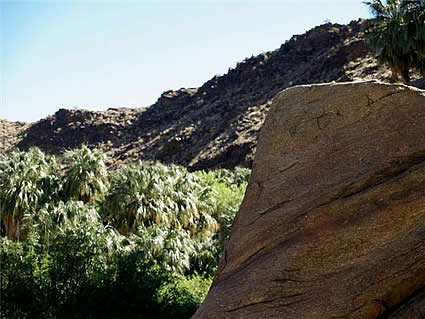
x=11, y=133
x=216, y=125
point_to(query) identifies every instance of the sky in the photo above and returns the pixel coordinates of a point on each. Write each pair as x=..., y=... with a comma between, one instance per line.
x=93, y=54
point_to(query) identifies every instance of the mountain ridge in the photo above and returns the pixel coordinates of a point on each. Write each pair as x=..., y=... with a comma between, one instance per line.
x=217, y=124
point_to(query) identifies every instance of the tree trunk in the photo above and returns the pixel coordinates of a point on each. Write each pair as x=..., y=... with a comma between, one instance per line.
x=10, y=227
x=399, y=71
x=405, y=75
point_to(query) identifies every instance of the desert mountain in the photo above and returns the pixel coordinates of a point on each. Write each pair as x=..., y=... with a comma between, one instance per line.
x=215, y=125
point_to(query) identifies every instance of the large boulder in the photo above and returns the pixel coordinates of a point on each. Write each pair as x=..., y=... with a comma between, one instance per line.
x=333, y=221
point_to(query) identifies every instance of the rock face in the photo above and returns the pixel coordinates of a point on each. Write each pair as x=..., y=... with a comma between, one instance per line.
x=10, y=134
x=333, y=221
x=68, y=129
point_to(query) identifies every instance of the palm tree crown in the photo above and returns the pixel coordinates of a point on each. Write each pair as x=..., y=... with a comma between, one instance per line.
x=146, y=194
x=396, y=34
x=86, y=175
x=27, y=180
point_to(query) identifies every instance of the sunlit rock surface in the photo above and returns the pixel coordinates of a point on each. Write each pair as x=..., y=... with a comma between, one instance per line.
x=333, y=221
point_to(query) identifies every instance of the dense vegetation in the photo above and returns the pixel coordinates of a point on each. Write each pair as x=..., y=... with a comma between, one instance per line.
x=396, y=35
x=81, y=241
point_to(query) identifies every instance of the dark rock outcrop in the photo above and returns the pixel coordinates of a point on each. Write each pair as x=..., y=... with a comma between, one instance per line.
x=333, y=221
x=68, y=129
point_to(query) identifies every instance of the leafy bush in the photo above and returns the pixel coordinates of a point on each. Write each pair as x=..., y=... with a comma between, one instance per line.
x=24, y=279
x=76, y=277
x=181, y=296
x=229, y=189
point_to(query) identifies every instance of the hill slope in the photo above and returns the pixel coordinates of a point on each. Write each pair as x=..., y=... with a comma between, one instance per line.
x=216, y=125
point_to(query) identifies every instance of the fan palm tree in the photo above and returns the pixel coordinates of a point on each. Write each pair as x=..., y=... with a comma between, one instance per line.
x=171, y=249
x=27, y=180
x=146, y=194
x=166, y=210
x=416, y=9
x=396, y=35
x=55, y=219
x=85, y=176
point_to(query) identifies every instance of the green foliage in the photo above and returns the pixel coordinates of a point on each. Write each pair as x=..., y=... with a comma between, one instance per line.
x=181, y=296
x=73, y=261
x=24, y=278
x=168, y=210
x=86, y=177
x=229, y=189
x=27, y=180
x=75, y=278
x=170, y=249
x=396, y=34
x=145, y=194
x=80, y=276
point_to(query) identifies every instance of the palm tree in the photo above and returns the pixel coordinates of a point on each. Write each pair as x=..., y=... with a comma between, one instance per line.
x=55, y=219
x=85, y=176
x=27, y=180
x=146, y=194
x=171, y=249
x=396, y=35
x=165, y=211
x=416, y=9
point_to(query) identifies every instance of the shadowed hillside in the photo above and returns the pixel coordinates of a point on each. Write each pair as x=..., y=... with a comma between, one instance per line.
x=216, y=125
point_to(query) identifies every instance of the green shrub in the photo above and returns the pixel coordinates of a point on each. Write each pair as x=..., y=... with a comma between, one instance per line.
x=180, y=297
x=228, y=191
x=24, y=269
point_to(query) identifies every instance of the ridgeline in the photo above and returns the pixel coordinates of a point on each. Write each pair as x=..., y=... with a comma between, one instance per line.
x=215, y=125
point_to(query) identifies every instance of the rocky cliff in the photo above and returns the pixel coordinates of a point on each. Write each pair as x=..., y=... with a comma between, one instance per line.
x=216, y=125
x=333, y=221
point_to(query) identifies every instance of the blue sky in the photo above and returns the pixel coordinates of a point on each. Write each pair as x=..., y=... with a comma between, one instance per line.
x=99, y=54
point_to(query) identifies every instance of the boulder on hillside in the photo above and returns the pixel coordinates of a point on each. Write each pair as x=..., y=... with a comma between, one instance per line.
x=333, y=221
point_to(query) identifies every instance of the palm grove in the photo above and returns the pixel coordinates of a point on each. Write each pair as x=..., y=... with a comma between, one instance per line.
x=83, y=241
